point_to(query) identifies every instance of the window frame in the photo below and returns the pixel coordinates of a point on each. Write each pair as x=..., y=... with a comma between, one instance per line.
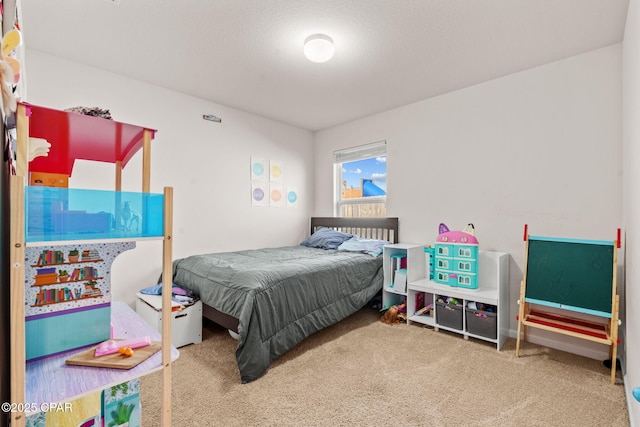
x=352, y=154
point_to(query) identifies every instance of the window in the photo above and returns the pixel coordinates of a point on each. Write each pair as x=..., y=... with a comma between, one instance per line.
x=465, y=252
x=360, y=175
x=443, y=263
x=464, y=266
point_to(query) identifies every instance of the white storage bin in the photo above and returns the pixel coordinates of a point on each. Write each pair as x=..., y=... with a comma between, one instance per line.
x=186, y=324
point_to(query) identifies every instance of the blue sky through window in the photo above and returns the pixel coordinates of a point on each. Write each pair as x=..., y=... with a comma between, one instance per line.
x=373, y=168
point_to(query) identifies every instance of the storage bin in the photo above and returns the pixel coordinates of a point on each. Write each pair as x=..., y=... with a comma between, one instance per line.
x=482, y=323
x=449, y=315
x=186, y=324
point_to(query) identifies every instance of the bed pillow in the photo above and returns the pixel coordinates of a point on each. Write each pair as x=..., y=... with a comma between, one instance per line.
x=327, y=238
x=368, y=246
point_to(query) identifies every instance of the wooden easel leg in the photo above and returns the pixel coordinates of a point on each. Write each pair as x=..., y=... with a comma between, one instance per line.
x=520, y=318
x=614, y=338
x=614, y=362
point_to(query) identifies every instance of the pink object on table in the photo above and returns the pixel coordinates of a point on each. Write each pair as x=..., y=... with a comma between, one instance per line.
x=112, y=346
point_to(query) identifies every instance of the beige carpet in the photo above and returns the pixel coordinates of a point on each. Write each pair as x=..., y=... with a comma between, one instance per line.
x=362, y=372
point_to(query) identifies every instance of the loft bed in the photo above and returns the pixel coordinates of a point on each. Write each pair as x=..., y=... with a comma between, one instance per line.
x=274, y=298
x=75, y=136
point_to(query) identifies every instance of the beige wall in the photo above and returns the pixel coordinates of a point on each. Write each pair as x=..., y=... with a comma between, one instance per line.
x=541, y=147
x=208, y=165
x=631, y=205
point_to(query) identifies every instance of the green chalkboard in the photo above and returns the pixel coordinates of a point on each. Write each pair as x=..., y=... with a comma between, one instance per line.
x=571, y=274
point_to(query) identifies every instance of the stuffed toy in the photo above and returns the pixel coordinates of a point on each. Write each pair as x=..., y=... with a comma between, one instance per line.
x=395, y=314
x=390, y=316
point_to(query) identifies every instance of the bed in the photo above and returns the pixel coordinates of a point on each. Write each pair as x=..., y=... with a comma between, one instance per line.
x=274, y=298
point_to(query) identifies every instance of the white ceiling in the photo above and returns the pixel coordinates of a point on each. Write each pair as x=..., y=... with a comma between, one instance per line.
x=247, y=54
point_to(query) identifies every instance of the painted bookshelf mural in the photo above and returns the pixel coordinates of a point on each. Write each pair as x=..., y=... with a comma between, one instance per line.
x=68, y=288
x=69, y=276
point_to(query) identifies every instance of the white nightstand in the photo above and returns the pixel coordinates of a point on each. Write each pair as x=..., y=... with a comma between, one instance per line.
x=186, y=324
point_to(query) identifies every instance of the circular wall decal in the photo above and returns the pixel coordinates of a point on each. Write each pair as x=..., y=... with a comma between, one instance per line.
x=258, y=169
x=258, y=194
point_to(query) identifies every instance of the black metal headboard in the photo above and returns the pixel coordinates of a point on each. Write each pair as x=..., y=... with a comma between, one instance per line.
x=369, y=228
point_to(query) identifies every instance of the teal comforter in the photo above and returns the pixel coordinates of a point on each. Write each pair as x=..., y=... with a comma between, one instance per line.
x=280, y=295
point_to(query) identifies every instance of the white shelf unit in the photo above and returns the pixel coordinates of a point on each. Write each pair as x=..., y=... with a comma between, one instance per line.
x=415, y=266
x=493, y=289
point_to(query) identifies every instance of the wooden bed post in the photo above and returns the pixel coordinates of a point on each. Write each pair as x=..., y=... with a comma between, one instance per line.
x=146, y=160
x=16, y=304
x=17, y=254
x=167, y=284
x=22, y=149
x=118, y=175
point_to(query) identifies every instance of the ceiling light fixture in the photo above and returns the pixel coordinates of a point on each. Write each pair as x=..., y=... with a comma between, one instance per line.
x=318, y=48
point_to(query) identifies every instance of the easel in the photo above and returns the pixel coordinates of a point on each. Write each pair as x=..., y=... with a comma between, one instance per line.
x=603, y=333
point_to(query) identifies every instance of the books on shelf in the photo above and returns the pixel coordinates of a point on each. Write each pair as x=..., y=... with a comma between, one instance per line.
x=398, y=261
x=84, y=273
x=50, y=296
x=91, y=290
x=90, y=255
x=400, y=280
x=424, y=310
x=49, y=257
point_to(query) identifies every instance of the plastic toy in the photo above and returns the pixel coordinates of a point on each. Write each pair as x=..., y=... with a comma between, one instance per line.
x=129, y=216
x=456, y=257
x=112, y=346
x=127, y=351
